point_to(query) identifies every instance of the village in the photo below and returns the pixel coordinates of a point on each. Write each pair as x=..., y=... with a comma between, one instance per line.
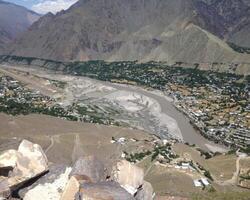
x=207, y=172
x=216, y=103
x=16, y=99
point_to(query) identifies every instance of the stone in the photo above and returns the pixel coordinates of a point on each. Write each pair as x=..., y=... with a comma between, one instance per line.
x=89, y=166
x=33, y=160
x=50, y=190
x=128, y=176
x=146, y=192
x=71, y=189
x=107, y=190
x=49, y=178
x=4, y=188
x=23, y=165
x=8, y=158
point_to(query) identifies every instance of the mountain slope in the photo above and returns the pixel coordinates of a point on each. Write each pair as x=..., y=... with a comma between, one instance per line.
x=14, y=20
x=228, y=19
x=162, y=30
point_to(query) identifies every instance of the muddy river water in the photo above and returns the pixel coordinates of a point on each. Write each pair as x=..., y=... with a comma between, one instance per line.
x=189, y=133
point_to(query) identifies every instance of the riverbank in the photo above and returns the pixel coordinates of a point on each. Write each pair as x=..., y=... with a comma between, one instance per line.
x=156, y=103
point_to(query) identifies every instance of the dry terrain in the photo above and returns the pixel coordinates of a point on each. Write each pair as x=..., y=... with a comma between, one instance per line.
x=64, y=141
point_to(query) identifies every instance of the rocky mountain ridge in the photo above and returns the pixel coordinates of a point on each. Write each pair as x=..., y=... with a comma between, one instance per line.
x=12, y=26
x=228, y=19
x=170, y=31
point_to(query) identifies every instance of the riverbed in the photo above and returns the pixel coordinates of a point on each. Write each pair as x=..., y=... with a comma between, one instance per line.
x=151, y=111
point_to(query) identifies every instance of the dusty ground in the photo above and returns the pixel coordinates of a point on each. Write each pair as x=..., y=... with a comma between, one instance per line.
x=168, y=181
x=64, y=141
x=222, y=167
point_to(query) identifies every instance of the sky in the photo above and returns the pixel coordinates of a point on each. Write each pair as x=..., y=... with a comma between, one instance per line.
x=44, y=6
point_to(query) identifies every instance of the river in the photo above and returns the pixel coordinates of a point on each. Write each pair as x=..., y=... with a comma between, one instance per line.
x=189, y=133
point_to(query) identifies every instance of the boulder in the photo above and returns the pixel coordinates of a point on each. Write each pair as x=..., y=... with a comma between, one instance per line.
x=146, y=192
x=23, y=165
x=49, y=190
x=103, y=191
x=4, y=188
x=89, y=167
x=71, y=189
x=128, y=176
x=49, y=178
x=33, y=160
x=8, y=158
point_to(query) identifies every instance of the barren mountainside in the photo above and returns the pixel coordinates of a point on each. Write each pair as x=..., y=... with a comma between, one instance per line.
x=160, y=30
x=228, y=19
x=14, y=20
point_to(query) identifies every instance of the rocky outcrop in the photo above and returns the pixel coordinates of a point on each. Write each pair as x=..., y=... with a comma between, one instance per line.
x=129, y=176
x=146, y=192
x=88, y=179
x=103, y=191
x=49, y=190
x=71, y=189
x=53, y=182
x=8, y=159
x=24, y=164
x=89, y=168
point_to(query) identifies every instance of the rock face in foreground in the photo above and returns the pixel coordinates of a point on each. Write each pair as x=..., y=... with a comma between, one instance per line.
x=90, y=167
x=128, y=176
x=19, y=167
x=103, y=191
x=88, y=179
x=146, y=192
x=50, y=190
x=71, y=189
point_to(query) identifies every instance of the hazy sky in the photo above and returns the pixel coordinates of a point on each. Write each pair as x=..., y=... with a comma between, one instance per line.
x=44, y=6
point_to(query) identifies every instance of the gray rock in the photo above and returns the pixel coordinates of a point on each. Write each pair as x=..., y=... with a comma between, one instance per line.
x=128, y=175
x=146, y=192
x=25, y=164
x=104, y=191
x=51, y=191
x=71, y=189
x=50, y=177
x=90, y=167
x=4, y=188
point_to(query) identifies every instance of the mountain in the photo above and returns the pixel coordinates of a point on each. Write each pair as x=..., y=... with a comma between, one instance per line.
x=228, y=19
x=14, y=20
x=161, y=30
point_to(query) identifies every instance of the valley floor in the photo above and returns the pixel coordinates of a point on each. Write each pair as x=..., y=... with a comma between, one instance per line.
x=144, y=118
x=65, y=141
x=132, y=106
